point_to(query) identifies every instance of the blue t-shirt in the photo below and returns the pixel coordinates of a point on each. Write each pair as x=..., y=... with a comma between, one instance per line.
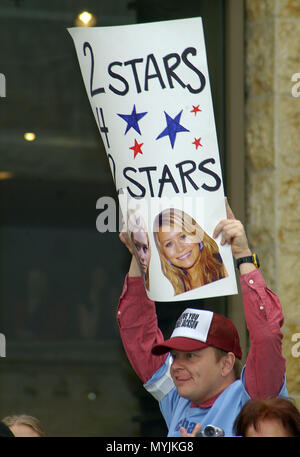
x=177, y=410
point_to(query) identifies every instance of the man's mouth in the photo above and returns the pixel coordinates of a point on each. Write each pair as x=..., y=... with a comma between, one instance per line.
x=183, y=378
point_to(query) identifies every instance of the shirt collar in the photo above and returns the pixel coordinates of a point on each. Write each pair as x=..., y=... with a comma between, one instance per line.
x=207, y=403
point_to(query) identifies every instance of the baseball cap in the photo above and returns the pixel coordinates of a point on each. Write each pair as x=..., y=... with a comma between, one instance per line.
x=197, y=329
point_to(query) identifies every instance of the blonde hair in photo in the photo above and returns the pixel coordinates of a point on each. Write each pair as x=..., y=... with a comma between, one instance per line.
x=210, y=267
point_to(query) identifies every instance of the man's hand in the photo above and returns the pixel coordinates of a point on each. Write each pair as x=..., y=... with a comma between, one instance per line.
x=233, y=233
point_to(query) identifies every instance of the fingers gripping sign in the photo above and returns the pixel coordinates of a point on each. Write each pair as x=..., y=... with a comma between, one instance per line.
x=229, y=211
x=232, y=232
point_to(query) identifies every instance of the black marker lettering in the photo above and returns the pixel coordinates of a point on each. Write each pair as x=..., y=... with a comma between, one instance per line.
x=185, y=174
x=164, y=179
x=100, y=90
x=147, y=170
x=119, y=77
x=142, y=188
x=157, y=74
x=112, y=166
x=190, y=65
x=135, y=75
x=170, y=69
x=211, y=173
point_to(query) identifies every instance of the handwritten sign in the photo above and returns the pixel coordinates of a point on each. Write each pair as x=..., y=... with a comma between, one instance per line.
x=148, y=86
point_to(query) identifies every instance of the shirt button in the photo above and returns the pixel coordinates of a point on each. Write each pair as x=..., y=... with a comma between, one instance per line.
x=261, y=307
x=119, y=313
x=251, y=281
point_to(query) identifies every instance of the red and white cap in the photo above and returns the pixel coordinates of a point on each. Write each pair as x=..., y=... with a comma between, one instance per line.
x=197, y=329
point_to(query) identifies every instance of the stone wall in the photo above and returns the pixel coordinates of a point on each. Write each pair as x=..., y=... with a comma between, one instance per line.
x=272, y=50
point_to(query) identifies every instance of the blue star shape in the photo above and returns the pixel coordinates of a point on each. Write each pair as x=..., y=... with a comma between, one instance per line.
x=132, y=120
x=173, y=127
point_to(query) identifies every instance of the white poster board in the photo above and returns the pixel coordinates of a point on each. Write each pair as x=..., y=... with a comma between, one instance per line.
x=148, y=86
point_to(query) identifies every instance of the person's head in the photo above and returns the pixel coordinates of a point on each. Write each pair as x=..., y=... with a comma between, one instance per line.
x=23, y=425
x=140, y=240
x=206, y=354
x=183, y=246
x=273, y=417
x=142, y=247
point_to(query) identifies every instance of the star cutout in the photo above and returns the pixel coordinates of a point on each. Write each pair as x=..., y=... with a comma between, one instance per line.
x=137, y=148
x=197, y=142
x=196, y=109
x=132, y=120
x=173, y=127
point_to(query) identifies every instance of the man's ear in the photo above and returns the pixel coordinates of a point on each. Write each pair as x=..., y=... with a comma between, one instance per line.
x=227, y=363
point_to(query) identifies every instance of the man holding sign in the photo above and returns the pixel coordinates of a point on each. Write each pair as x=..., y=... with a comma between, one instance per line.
x=195, y=375
x=149, y=89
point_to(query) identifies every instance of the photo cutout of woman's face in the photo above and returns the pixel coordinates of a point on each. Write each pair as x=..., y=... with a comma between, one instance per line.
x=189, y=257
x=180, y=248
x=142, y=249
x=140, y=241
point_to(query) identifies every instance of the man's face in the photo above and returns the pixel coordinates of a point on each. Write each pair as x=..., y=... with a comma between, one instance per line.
x=197, y=375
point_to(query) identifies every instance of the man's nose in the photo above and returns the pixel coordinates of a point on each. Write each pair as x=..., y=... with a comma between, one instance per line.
x=177, y=364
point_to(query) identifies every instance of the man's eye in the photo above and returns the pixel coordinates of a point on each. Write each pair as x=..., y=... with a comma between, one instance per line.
x=190, y=355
